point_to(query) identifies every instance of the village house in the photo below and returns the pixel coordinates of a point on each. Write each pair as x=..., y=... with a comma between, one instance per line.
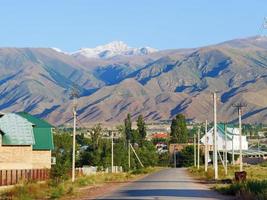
x=232, y=138
x=26, y=142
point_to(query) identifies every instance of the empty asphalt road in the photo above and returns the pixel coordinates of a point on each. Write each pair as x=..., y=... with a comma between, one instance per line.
x=165, y=184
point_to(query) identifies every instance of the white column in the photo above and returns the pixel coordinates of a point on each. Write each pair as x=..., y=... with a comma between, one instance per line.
x=198, y=149
x=206, y=146
x=240, y=140
x=73, y=144
x=112, y=158
x=195, y=154
x=215, y=138
x=225, y=148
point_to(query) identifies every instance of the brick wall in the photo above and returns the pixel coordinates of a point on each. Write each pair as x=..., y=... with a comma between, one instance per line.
x=15, y=157
x=23, y=157
x=41, y=159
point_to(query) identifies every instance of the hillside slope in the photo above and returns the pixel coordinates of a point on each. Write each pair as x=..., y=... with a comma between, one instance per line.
x=158, y=85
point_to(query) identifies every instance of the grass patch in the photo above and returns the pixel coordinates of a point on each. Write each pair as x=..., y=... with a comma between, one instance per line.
x=255, y=188
x=52, y=190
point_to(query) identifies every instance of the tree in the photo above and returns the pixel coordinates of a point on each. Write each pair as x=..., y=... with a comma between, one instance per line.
x=186, y=157
x=148, y=154
x=179, y=132
x=128, y=127
x=95, y=135
x=141, y=129
x=62, y=152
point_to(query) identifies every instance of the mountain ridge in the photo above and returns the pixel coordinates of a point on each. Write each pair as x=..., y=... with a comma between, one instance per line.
x=158, y=85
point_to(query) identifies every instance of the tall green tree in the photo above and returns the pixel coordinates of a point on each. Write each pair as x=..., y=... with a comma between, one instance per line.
x=128, y=127
x=179, y=132
x=63, y=153
x=141, y=129
x=95, y=135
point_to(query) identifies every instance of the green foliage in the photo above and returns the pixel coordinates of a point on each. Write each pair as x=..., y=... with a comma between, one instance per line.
x=186, y=157
x=62, y=152
x=164, y=159
x=179, y=132
x=128, y=127
x=141, y=129
x=251, y=189
x=95, y=135
x=148, y=154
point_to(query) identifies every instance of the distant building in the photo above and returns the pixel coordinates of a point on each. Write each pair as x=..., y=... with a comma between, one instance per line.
x=232, y=139
x=26, y=142
x=160, y=135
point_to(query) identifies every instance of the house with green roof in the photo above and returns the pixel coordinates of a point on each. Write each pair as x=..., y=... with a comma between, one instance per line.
x=26, y=142
x=42, y=130
x=228, y=135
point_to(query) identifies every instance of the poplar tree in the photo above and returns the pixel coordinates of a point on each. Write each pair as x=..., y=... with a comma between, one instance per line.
x=141, y=128
x=128, y=127
x=179, y=132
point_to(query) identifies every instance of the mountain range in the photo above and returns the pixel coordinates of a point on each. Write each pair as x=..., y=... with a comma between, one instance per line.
x=115, y=79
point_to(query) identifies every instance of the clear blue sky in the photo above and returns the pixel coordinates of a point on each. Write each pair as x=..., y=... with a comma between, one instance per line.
x=163, y=24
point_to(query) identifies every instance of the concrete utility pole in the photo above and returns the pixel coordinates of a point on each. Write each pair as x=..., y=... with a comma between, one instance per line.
x=195, y=153
x=239, y=107
x=198, y=149
x=174, y=156
x=112, y=152
x=215, y=137
x=225, y=148
x=233, y=151
x=206, y=146
x=129, y=155
x=240, y=140
x=74, y=95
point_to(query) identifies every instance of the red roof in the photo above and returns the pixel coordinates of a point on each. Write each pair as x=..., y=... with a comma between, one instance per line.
x=160, y=135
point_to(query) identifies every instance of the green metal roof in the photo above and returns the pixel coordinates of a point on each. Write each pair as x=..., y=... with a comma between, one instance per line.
x=36, y=121
x=42, y=132
x=221, y=127
x=16, y=130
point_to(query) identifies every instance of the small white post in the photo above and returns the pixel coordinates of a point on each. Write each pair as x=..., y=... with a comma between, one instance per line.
x=112, y=153
x=195, y=153
x=225, y=150
x=233, y=152
x=215, y=137
x=240, y=140
x=73, y=144
x=206, y=146
x=198, y=147
x=174, y=156
x=129, y=155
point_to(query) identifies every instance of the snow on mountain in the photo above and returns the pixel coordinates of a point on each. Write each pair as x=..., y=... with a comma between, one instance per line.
x=112, y=49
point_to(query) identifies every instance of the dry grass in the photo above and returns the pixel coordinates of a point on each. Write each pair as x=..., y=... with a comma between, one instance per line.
x=254, y=172
x=254, y=188
x=52, y=190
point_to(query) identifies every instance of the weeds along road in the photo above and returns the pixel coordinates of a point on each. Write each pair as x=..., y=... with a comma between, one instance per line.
x=165, y=184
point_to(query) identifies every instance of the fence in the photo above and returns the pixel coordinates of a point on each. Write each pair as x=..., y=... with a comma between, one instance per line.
x=12, y=177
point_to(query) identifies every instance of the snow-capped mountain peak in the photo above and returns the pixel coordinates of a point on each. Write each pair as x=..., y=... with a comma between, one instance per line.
x=112, y=49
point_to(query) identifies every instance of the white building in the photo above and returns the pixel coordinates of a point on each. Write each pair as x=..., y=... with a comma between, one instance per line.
x=232, y=139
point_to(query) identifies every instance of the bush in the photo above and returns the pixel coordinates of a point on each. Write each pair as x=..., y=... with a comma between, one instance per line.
x=164, y=159
x=57, y=192
x=185, y=157
x=252, y=189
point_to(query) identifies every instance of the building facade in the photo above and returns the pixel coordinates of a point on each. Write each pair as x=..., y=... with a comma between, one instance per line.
x=26, y=142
